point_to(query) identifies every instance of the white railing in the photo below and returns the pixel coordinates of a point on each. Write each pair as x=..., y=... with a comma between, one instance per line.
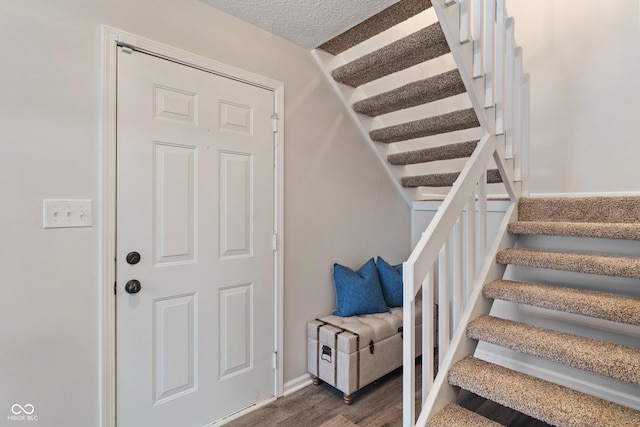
x=453, y=259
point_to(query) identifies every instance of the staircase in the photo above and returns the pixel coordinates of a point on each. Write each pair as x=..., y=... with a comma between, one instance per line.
x=437, y=89
x=398, y=78
x=580, y=222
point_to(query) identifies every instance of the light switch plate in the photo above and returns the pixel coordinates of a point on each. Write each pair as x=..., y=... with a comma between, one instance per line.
x=64, y=213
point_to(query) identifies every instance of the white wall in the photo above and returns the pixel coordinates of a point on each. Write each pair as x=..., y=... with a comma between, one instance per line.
x=339, y=204
x=585, y=86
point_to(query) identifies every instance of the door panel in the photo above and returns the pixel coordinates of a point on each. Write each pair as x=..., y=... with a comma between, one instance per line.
x=174, y=355
x=236, y=354
x=195, y=198
x=236, y=118
x=236, y=216
x=175, y=104
x=174, y=215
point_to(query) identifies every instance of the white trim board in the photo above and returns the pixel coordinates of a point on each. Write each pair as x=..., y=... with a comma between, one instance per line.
x=296, y=384
x=110, y=39
x=242, y=412
x=289, y=387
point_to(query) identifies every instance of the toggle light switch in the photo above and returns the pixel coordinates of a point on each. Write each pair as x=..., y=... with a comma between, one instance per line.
x=62, y=213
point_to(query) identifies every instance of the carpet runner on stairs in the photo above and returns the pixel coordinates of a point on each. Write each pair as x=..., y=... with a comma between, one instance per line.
x=444, y=179
x=421, y=46
x=596, y=217
x=421, y=92
x=577, y=262
x=552, y=403
x=448, y=122
x=613, y=360
x=425, y=155
x=416, y=48
x=378, y=23
x=622, y=209
x=454, y=415
x=612, y=307
x=623, y=231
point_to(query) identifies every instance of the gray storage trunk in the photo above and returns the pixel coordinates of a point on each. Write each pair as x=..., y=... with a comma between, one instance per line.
x=350, y=352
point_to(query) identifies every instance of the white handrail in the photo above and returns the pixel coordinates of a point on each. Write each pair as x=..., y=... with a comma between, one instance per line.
x=454, y=248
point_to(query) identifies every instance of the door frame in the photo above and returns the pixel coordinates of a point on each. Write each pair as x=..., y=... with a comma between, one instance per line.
x=111, y=39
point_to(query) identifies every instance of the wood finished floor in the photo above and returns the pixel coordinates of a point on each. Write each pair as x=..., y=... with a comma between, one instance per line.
x=377, y=405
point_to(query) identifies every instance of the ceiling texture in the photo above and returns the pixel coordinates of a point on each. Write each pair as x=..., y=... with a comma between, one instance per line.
x=308, y=23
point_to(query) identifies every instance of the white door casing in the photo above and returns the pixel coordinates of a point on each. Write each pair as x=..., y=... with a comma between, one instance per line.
x=176, y=371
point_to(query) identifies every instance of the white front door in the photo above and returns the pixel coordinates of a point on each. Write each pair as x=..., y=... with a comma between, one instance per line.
x=195, y=204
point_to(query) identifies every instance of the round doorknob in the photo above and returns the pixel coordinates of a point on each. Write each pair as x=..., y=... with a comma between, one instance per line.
x=133, y=258
x=133, y=286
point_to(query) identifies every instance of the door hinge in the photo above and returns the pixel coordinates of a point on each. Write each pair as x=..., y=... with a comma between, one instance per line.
x=115, y=287
x=274, y=121
x=275, y=360
x=274, y=243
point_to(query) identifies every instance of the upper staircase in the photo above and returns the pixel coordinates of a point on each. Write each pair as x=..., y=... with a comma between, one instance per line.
x=399, y=79
x=437, y=89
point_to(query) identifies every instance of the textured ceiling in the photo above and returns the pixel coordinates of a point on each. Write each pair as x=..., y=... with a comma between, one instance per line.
x=308, y=23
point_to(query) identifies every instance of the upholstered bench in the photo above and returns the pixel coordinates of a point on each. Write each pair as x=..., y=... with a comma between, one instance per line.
x=350, y=352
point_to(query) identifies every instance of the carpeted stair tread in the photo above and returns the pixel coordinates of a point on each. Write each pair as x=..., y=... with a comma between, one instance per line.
x=454, y=415
x=423, y=45
x=624, y=209
x=459, y=150
x=378, y=23
x=601, y=230
x=575, y=262
x=420, y=92
x=444, y=179
x=554, y=404
x=615, y=308
x=449, y=122
x=604, y=358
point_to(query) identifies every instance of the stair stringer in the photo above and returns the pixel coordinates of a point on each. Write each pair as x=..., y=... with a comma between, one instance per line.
x=365, y=133
x=442, y=393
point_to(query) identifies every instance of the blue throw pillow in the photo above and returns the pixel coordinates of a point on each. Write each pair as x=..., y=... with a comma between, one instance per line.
x=391, y=280
x=358, y=292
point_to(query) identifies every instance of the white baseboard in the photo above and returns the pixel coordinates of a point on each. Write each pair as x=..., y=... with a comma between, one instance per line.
x=240, y=413
x=289, y=387
x=297, y=383
x=628, y=399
